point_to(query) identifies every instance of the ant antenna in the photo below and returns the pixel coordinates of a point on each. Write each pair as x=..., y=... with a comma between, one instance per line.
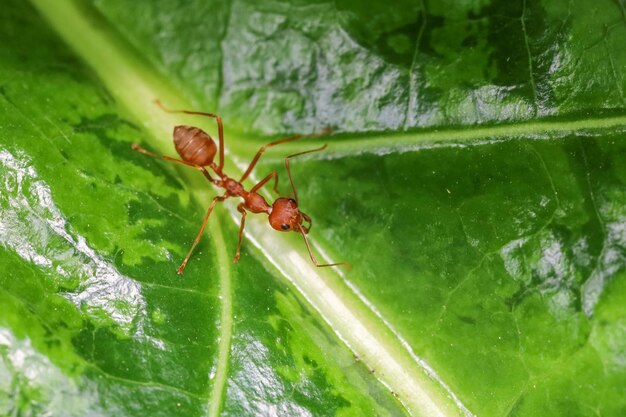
x=293, y=186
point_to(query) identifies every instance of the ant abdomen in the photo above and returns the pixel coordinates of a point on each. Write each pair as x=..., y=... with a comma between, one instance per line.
x=194, y=145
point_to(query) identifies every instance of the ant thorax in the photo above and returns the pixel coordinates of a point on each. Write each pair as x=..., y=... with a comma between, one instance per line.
x=233, y=187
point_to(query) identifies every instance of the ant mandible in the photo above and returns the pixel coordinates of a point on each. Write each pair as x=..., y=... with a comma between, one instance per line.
x=197, y=150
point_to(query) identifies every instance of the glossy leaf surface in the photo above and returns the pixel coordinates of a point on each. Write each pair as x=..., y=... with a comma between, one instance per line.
x=488, y=245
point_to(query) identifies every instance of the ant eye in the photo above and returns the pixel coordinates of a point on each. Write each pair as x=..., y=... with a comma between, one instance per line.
x=292, y=200
x=284, y=226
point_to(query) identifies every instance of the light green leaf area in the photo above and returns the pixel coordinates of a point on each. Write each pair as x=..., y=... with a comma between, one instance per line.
x=475, y=180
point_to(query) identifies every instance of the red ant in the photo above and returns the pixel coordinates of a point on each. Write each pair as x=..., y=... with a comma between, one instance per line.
x=197, y=150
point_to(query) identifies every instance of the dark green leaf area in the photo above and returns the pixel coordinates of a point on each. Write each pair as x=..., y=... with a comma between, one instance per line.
x=285, y=359
x=180, y=37
x=299, y=66
x=503, y=256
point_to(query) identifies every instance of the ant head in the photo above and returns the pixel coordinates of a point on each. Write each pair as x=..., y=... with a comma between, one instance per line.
x=286, y=217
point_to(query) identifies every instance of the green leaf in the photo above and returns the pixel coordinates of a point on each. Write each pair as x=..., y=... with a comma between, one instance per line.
x=475, y=180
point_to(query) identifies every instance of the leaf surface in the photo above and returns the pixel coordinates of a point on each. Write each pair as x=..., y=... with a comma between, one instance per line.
x=475, y=179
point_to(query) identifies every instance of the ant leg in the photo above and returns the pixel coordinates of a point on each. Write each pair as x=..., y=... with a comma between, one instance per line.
x=293, y=186
x=264, y=181
x=278, y=142
x=308, y=248
x=241, y=210
x=220, y=127
x=181, y=268
x=141, y=150
x=262, y=149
